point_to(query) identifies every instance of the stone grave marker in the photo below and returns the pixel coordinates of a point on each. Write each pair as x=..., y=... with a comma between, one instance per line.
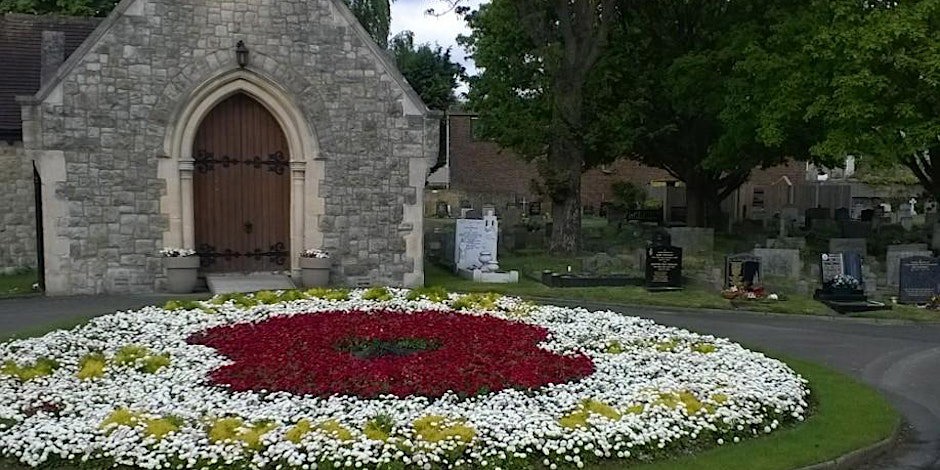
x=867, y=215
x=742, y=271
x=815, y=214
x=839, y=245
x=781, y=262
x=442, y=209
x=896, y=254
x=663, y=268
x=855, y=229
x=476, y=241
x=842, y=213
x=693, y=239
x=919, y=279
x=831, y=266
x=935, y=239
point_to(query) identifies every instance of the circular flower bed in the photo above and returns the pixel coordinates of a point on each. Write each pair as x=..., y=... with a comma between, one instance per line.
x=380, y=379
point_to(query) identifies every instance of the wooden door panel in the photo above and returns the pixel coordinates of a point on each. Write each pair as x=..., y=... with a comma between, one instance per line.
x=241, y=189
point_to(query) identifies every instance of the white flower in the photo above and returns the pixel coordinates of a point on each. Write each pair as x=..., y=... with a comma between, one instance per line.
x=177, y=252
x=314, y=253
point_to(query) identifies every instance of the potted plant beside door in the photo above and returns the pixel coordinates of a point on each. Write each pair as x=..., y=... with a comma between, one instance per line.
x=182, y=266
x=315, y=268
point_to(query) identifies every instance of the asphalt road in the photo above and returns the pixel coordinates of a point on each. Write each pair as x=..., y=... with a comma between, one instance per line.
x=901, y=360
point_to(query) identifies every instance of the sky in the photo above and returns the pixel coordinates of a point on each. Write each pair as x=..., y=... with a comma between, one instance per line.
x=409, y=15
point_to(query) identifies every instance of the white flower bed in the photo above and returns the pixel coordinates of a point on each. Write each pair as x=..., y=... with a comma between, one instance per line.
x=669, y=388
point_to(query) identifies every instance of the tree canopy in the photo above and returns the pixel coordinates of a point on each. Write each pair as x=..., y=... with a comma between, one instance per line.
x=866, y=74
x=429, y=69
x=59, y=7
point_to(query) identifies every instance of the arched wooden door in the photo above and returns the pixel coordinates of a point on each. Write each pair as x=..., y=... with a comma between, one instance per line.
x=241, y=189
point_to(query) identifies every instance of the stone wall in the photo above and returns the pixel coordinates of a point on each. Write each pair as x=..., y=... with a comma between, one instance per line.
x=103, y=124
x=18, y=216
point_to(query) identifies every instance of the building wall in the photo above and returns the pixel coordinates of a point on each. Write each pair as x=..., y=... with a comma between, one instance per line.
x=100, y=131
x=18, y=216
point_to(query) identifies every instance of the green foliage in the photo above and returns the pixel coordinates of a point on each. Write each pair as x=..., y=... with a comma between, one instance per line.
x=337, y=295
x=369, y=348
x=236, y=430
x=333, y=428
x=375, y=16
x=378, y=294
x=174, y=305
x=130, y=354
x=628, y=195
x=91, y=366
x=477, y=301
x=158, y=428
x=431, y=428
x=141, y=358
x=239, y=299
x=121, y=417
x=60, y=7
x=43, y=367
x=151, y=364
x=429, y=70
x=296, y=433
x=380, y=427
x=433, y=293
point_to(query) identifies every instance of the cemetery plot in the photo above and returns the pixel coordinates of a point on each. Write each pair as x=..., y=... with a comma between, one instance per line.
x=919, y=279
x=664, y=268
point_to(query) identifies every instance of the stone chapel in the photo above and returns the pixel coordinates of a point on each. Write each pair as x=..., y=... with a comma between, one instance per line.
x=247, y=130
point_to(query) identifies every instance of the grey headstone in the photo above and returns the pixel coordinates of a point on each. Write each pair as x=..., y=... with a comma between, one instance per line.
x=908, y=247
x=919, y=279
x=894, y=263
x=841, y=245
x=780, y=262
x=693, y=239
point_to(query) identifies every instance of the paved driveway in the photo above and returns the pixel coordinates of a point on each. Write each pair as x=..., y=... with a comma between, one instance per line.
x=903, y=361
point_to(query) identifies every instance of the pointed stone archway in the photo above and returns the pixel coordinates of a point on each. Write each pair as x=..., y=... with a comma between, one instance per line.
x=304, y=166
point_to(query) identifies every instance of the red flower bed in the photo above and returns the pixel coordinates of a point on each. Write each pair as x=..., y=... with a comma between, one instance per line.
x=309, y=354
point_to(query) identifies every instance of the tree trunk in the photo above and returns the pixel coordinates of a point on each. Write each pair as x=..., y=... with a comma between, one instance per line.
x=565, y=164
x=701, y=204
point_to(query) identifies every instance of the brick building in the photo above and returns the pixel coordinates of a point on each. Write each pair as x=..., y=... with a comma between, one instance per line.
x=480, y=171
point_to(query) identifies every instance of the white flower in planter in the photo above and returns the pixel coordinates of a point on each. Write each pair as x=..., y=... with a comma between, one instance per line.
x=314, y=253
x=177, y=252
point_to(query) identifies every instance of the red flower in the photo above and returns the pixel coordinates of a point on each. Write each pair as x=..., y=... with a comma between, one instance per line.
x=309, y=354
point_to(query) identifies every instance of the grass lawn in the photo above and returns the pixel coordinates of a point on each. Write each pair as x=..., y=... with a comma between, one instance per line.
x=21, y=283
x=846, y=416
x=690, y=297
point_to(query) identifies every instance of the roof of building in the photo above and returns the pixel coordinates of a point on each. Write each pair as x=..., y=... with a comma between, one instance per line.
x=21, y=59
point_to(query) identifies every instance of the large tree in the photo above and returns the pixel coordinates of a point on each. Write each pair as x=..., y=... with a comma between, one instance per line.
x=676, y=74
x=867, y=74
x=429, y=69
x=59, y=7
x=538, y=59
x=375, y=16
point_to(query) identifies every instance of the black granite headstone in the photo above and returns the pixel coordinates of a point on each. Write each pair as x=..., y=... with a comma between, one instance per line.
x=867, y=215
x=663, y=267
x=842, y=214
x=742, y=271
x=442, y=209
x=535, y=208
x=919, y=279
x=661, y=237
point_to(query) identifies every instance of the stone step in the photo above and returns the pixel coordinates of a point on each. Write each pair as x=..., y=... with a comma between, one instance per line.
x=229, y=283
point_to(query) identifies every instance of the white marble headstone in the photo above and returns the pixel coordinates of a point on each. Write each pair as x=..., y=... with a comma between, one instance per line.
x=474, y=237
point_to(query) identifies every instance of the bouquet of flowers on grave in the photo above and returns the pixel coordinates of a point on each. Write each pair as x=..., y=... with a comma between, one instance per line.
x=176, y=252
x=746, y=293
x=314, y=253
x=843, y=281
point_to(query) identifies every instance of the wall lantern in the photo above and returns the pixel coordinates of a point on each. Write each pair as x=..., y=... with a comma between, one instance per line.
x=241, y=54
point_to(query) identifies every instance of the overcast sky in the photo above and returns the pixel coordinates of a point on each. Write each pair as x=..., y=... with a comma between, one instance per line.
x=409, y=15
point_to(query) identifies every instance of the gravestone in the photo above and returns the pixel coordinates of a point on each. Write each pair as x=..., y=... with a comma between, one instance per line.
x=797, y=243
x=742, y=271
x=867, y=215
x=693, y=240
x=839, y=245
x=918, y=279
x=834, y=265
x=895, y=256
x=935, y=239
x=780, y=262
x=908, y=247
x=855, y=229
x=842, y=213
x=831, y=266
x=475, y=243
x=816, y=214
x=535, y=208
x=442, y=209
x=663, y=268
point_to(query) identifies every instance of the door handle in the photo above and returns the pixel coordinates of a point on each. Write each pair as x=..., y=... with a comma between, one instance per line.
x=249, y=227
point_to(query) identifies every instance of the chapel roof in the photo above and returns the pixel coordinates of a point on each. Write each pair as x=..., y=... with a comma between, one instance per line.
x=21, y=59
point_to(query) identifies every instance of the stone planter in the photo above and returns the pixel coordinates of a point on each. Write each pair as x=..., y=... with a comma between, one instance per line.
x=315, y=272
x=181, y=274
